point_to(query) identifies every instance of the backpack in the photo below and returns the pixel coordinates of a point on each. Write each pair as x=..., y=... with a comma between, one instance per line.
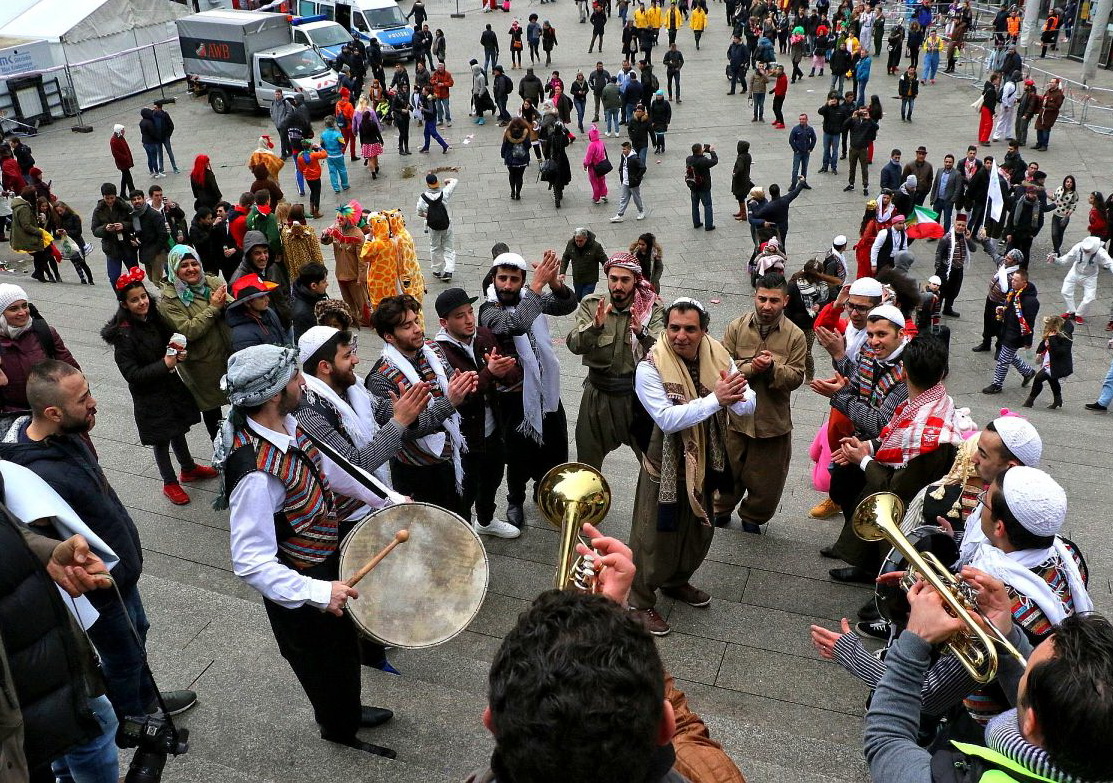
x=341, y=120
x=436, y=213
x=692, y=179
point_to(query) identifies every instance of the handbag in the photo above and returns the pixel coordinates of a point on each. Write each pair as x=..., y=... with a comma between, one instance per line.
x=602, y=167
x=547, y=170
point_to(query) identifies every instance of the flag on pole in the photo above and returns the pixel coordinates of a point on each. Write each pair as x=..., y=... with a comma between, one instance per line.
x=925, y=224
x=996, y=198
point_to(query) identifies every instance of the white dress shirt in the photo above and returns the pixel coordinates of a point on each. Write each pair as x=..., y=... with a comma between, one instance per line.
x=674, y=418
x=253, y=504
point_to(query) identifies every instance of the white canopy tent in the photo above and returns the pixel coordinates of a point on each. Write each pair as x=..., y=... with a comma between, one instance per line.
x=96, y=38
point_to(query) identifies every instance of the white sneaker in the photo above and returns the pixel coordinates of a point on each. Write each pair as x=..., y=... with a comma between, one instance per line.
x=641, y=216
x=617, y=219
x=498, y=529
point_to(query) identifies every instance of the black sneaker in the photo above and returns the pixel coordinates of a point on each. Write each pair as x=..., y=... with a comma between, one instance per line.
x=878, y=629
x=848, y=188
x=176, y=702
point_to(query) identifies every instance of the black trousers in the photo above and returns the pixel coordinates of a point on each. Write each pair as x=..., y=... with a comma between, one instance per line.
x=991, y=327
x=847, y=483
x=952, y=284
x=323, y=651
x=434, y=484
x=526, y=458
x=483, y=466
x=403, y=126
x=1037, y=385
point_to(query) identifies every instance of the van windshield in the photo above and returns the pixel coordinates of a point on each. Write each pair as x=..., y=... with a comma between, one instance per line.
x=381, y=18
x=301, y=64
x=330, y=35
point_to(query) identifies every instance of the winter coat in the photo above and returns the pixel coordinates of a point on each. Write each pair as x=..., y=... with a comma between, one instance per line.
x=152, y=233
x=639, y=131
x=26, y=232
x=121, y=152
x=209, y=242
x=1060, y=346
x=1049, y=112
x=585, y=261
x=23, y=353
x=660, y=115
x=206, y=194
x=116, y=245
x=555, y=146
x=253, y=328
x=67, y=464
x=515, y=148
x=1010, y=326
x=161, y=403
x=740, y=182
x=302, y=302
x=209, y=342
x=164, y=126
x=148, y=133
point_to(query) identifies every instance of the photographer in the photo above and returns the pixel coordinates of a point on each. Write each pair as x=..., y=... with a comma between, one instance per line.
x=697, y=176
x=862, y=131
x=807, y=293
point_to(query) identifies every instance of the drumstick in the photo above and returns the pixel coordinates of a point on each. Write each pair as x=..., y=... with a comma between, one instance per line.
x=399, y=538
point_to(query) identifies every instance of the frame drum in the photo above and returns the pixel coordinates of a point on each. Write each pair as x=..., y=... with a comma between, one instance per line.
x=428, y=589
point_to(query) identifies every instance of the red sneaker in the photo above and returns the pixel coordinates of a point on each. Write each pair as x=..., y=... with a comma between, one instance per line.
x=198, y=473
x=1079, y=319
x=176, y=494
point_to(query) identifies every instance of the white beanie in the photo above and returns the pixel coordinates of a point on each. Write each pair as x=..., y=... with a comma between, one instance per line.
x=117, y=129
x=889, y=313
x=866, y=286
x=839, y=241
x=1035, y=499
x=10, y=293
x=511, y=259
x=310, y=342
x=1020, y=438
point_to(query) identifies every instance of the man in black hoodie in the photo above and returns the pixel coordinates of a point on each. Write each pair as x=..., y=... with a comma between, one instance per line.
x=52, y=443
x=310, y=287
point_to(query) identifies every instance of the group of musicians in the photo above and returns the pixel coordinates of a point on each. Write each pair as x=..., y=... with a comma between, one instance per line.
x=305, y=449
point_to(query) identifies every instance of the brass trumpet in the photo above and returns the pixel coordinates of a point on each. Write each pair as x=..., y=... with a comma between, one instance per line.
x=878, y=518
x=570, y=495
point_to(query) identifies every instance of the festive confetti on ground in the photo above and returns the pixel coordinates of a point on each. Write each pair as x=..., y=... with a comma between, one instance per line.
x=716, y=301
x=468, y=138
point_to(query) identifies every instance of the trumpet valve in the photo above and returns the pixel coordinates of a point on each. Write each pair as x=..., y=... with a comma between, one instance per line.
x=584, y=574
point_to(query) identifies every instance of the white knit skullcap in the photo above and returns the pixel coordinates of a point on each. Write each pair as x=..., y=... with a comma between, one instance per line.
x=839, y=241
x=1035, y=499
x=866, y=286
x=889, y=313
x=935, y=280
x=1020, y=438
x=10, y=293
x=310, y=342
x=511, y=259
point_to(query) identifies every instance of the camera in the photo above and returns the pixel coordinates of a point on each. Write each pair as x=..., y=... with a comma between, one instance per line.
x=154, y=738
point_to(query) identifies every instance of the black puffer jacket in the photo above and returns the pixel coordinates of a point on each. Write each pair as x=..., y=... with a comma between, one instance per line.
x=48, y=662
x=1011, y=333
x=115, y=244
x=147, y=130
x=163, y=406
x=66, y=464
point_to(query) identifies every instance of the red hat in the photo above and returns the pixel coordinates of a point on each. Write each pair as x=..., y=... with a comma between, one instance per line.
x=251, y=287
x=344, y=92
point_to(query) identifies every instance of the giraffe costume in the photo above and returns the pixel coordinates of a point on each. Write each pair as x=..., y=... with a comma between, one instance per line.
x=410, y=279
x=381, y=259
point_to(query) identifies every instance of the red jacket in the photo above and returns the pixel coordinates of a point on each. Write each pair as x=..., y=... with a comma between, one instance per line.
x=781, y=87
x=121, y=152
x=11, y=175
x=1099, y=226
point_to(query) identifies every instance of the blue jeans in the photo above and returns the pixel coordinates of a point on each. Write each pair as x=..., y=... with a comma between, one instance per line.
x=581, y=107
x=799, y=166
x=830, y=151
x=931, y=65
x=337, y=172
x=584, y=290
x=862, y=92
x=1043, y=137
x=704, y=197
x=944, y=208
x=152, y=151
x=431, y=133
x=97, y=761
x=444, y=112
x=643, y=154
x=611, y=115
x=116, y=268
x=169, y=153
x=628, y=111
x=906, y=107
x=500, y=103
x=1106, y=395
x=129, y=689
x=759, y=105
x=490, y=59
x=839, y=79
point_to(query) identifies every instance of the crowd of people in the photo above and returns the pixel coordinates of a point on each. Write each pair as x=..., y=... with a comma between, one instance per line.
x=224, y=318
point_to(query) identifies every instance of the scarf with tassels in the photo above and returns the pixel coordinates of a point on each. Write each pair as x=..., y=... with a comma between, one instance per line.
x=1012, y=299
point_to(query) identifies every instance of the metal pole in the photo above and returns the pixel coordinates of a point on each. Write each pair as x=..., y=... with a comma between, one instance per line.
x=1099, y=18
x=158, y=71
x=80, y=127
x=456, y=15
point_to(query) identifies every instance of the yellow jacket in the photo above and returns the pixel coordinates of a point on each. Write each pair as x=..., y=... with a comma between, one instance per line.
x=933, y=44
x=653, y=15
x=698, y=19
x=674, y=20
x=641, y=18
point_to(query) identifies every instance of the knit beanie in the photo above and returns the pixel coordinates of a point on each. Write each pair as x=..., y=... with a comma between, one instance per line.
x=1035, y=499
x=10, y=293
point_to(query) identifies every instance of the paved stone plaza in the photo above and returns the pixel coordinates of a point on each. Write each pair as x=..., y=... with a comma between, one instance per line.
x=746, y=661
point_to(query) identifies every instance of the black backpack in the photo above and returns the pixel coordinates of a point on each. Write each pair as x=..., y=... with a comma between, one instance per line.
x=436, y=213
x=692, y=178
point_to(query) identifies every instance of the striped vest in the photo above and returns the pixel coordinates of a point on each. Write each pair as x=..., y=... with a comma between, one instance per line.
x=306, y=525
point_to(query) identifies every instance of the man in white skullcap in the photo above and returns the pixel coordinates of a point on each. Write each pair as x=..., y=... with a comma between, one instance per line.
x=535, y=430
x=686, y=383
x=287, y=501
x=834, y=264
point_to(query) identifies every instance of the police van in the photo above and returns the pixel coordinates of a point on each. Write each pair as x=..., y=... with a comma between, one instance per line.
x=317, y=32
x=367, y=19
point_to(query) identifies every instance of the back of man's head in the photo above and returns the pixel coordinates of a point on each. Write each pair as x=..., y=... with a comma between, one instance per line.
x=312, y=273
x=576, y=693
x=925, y=361
x=1071, y=694
x=44, y=385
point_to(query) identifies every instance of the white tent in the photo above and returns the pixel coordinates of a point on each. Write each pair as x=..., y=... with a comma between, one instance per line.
x=95, y=37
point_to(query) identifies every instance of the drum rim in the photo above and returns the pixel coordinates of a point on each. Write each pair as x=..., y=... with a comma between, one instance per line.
x=479, y=605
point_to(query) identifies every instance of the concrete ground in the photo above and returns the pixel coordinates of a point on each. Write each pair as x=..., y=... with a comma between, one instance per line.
x=745, y=662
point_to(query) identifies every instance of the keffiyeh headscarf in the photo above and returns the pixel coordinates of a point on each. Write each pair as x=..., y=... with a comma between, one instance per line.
x=641, y=307
x=187, y=293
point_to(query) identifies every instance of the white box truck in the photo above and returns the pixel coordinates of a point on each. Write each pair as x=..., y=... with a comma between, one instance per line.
x=243, y=57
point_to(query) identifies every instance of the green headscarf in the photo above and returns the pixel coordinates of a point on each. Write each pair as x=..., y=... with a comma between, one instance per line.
x=187, y=293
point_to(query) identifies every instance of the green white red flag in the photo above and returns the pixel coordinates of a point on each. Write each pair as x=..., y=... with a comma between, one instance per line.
x=925, y=224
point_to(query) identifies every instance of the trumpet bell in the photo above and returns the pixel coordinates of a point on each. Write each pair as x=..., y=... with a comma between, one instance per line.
x=866, y=521
x=577, y=485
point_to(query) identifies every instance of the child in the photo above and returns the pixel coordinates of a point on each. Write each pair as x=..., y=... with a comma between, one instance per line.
x=1054, y=354
x=370, y=141
x=251, y=318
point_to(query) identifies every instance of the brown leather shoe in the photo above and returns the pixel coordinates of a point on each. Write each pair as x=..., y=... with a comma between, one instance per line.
x=690, y=595
x=653, y=622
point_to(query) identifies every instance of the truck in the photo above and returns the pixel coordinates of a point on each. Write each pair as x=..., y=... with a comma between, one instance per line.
x=328, y=38
x=243, y=58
